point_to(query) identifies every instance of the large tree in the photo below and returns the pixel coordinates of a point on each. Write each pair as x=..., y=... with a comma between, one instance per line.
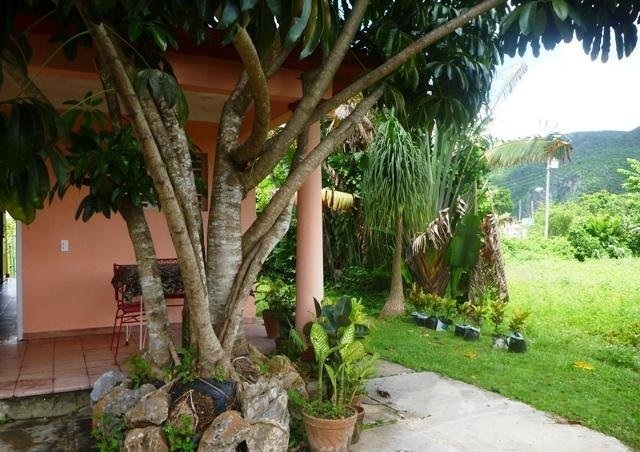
x=131, y=38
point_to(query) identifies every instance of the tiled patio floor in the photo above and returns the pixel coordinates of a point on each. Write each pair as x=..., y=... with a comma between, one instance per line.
x=45, y=366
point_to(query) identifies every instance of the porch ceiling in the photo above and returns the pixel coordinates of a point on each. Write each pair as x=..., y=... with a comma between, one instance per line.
x=203, y=106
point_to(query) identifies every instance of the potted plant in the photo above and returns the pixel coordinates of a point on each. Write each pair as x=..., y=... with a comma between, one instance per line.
x=474, y=312
x=280, y=301
x=497, y=313
x=329, y=418
x=516, y=340
x=447, y=309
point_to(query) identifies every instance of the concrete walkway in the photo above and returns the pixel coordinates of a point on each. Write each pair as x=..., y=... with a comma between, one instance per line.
x=423, y=411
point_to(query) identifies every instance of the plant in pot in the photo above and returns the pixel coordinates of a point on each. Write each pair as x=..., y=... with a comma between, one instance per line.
x=497, y=311
x=516, y=340
x=446, y=310
x=329, y=418
x=474, y=312
x=280, y=300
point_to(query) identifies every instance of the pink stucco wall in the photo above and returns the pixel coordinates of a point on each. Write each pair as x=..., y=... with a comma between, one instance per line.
x=66, y=291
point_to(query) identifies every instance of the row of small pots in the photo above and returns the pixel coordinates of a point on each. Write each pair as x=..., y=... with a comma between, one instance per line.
x=515, y=342
x=432, y=322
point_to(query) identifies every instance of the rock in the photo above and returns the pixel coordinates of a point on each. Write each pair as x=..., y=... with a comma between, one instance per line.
x=264, y=405
x=149, y=439
x=120, y=400
x=151, y=409
x=225, y=432
x=283, y=373
x=106, y=383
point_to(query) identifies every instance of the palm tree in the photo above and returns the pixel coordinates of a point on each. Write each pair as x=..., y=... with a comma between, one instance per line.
x=392, y=193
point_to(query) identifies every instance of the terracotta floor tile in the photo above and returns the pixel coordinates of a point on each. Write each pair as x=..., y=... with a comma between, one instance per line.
x=36, y=368
x=98, y=355
x=70, y=372
x=66, y=365
x=100, y=365
x=35, y=374
x=5, y=379
x=10, y=366
x=33, y=387
x=66, y=384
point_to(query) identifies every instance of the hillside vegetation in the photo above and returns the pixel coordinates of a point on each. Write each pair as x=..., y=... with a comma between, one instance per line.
x=597, y=156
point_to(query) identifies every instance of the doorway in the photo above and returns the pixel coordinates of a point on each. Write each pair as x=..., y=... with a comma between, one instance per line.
x=9, y=278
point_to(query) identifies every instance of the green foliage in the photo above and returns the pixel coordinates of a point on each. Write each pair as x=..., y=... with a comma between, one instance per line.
x=463, y=253
x=395, y=179
x=186, y=370
x=139, y=370
x=475, y=311
x=180, y=436
x=518, y=318
x=108, y=433
x=339, y=352
x=360, y=279
x=111, y=165
x=29, y=131
x=500, y=200
x=598, y=237
x=325, y=409
x=632, y=181
x=497, y=313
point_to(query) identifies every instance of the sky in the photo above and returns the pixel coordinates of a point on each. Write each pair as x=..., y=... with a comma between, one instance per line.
x=564, y=91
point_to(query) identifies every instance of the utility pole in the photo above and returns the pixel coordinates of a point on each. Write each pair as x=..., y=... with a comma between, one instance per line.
x=519, y=209
x=551, y=163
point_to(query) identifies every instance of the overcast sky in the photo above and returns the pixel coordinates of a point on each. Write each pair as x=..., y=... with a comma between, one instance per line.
x=565, y=91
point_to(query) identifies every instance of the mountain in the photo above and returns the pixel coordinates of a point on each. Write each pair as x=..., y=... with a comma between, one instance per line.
x=593, y=167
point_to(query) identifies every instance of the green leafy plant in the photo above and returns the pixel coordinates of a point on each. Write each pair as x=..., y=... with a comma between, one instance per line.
x=278, y=297
x=475, y=312
x=108, y=433
x=340, y=353
x=139, y=370
x=186, y=370
x=180, y=436
x=518, y=318
x=497, y=313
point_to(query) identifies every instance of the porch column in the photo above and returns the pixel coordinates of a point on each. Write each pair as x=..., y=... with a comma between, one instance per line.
x=309, y=269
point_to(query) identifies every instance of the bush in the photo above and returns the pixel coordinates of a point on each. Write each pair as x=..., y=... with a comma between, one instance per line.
x=362, y=280
x=599, y=236
x=585, y=245
x=535, y=248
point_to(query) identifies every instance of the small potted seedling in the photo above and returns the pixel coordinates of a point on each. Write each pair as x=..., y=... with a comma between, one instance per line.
x=447, y=309
x=474, y=312
x=417, y=298
x=516, y=340
x=496, y=315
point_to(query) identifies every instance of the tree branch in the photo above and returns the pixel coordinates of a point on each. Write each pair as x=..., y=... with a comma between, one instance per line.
x=247, y=275
x=300, y=118
x=393, y=63
x=259, y=92
x=298, y=175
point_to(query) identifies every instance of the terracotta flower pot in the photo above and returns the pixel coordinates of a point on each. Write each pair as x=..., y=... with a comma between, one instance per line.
x=329, y=435
x=271, y=323
x=358, y=425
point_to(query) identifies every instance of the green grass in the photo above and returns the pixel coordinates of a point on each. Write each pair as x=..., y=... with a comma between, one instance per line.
x=579, y=312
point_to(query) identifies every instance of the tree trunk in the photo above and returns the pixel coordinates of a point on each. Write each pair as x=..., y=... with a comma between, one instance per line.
x=395, y=304
x=224, y=237
x=161, y=347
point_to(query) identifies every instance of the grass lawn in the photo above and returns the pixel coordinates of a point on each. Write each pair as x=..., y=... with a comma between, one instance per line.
x=580, y=312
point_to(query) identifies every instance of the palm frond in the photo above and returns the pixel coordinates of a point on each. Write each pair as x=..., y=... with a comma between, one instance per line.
x=529, y=150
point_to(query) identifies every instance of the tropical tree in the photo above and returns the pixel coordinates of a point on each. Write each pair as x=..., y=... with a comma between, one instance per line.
x=131, y=40
x=393, y=198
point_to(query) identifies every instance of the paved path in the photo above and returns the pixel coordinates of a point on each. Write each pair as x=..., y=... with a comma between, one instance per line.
x=427, y=412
